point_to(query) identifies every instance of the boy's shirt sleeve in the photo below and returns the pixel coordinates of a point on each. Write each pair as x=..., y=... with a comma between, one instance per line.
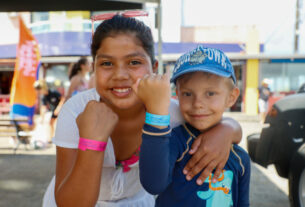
x=158, y=155
x=244, y=183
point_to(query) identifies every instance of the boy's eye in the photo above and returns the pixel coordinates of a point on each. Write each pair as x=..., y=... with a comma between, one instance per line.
x=134, y=62
x=210, y=93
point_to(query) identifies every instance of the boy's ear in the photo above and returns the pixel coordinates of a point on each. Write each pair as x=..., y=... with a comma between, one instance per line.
x=155, y=67
x=233, y=96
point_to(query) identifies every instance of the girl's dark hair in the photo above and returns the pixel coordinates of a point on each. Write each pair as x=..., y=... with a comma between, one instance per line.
x=77, y=67
x=119, y=24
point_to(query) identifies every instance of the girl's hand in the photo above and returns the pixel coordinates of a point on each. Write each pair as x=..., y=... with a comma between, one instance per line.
x=96, y=122
x=155, y=92
x=211, y=151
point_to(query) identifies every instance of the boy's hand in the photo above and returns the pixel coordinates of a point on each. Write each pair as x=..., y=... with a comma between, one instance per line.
x=155, y=92
x=97, y=121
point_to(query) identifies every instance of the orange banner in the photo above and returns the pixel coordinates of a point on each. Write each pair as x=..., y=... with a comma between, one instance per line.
x=23, y=95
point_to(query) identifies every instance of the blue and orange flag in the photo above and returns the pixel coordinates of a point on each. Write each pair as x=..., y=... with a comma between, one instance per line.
x=23, y=95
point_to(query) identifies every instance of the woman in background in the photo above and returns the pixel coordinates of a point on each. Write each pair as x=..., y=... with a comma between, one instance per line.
x=77, y=77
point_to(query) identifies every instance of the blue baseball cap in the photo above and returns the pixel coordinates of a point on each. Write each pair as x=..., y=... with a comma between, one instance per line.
x=204, y=59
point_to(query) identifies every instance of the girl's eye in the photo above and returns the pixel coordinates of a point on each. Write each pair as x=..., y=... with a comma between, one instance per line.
x=186, y=94
x=106, y=63
x=134, y=62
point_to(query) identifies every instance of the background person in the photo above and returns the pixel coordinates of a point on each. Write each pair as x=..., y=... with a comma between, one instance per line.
x=91, y=81
x=206, y=88
x=51, y=100
x=112, y=115
x=264, y=94
x=77, y=77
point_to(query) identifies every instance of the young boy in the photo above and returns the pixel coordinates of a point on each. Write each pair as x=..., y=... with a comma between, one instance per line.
x=51, y=100
x=205, y=85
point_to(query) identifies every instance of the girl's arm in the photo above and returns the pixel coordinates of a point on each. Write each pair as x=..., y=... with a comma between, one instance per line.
x=78, y=176
x=78, y=173
x=211, y=150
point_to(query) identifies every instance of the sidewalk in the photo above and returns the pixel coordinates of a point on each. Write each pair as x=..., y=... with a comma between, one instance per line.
x=25, y=176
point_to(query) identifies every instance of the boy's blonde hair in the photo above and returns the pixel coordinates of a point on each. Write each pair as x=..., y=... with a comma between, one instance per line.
x=40, y=84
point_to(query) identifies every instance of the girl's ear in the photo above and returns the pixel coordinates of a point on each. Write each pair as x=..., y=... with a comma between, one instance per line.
x=93, y=66
x=155, y=66
x=233, y=96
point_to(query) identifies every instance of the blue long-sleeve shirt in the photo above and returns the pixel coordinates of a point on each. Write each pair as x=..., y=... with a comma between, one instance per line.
x=164, y=154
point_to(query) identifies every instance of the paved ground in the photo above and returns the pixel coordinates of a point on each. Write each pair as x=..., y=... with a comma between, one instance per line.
x=25, y=176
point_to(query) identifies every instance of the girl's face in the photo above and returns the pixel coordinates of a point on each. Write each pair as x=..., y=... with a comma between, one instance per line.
x=119, y=62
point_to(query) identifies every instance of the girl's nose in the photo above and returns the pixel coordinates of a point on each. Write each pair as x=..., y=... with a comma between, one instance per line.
x=121, y=72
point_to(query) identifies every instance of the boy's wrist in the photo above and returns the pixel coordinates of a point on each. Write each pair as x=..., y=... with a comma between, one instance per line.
x=155, y=129
x=158, y=121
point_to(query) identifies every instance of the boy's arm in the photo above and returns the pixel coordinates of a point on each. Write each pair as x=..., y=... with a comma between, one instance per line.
x=158, y=156
x=244, y=183
x=155, y=174
x=58, y=107
x=211, y=150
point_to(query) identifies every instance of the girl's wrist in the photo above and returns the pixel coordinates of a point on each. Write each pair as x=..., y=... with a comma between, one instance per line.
x=90, y=144
x=93, y=137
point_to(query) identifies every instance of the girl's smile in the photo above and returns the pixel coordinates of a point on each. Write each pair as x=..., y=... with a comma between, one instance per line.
x=121, y=92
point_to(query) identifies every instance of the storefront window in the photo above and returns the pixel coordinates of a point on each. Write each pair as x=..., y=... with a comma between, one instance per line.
x=40, y=16
x=57, y=78
x=285, y=77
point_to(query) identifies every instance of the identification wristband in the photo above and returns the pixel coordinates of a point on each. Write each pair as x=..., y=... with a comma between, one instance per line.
x=157, y=120
x=90, y=144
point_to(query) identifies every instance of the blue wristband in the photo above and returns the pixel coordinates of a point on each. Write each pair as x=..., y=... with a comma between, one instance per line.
x=157, y=120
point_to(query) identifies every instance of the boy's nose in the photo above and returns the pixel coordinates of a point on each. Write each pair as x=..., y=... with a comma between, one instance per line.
x=198, y=102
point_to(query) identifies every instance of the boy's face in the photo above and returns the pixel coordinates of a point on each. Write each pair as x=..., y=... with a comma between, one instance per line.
x=41, y=91
x=204, y=97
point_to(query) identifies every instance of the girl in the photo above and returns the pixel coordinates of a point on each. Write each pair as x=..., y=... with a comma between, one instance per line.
x=123, y=51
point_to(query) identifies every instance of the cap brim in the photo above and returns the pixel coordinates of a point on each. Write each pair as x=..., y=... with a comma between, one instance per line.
x=213, y=70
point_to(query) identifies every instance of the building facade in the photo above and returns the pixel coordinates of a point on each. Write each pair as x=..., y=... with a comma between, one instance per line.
x=65, y=36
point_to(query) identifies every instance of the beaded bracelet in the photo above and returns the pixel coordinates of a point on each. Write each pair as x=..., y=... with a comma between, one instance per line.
x=157, y=120
x=90, y=144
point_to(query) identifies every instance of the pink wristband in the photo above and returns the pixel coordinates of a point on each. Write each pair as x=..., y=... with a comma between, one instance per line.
x=90, y=144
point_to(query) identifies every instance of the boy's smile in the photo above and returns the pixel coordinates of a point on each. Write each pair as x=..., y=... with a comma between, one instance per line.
x=203, y=98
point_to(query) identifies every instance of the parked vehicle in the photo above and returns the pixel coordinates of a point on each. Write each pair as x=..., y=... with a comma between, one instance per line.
x=301, y=89
x=282, y=143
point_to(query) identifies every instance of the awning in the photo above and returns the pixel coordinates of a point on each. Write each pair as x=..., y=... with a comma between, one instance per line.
x=71, y=5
